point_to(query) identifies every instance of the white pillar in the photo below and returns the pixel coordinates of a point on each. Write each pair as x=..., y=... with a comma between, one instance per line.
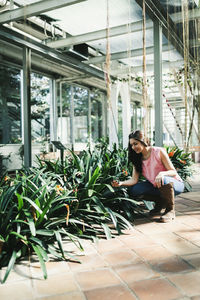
x=126, y=112
x=113, y=114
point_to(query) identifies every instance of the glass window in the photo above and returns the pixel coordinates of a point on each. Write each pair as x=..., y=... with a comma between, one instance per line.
x=40, y=108
x=10, y=106
x=81, y=115
x=64, y=125
x=96, y=115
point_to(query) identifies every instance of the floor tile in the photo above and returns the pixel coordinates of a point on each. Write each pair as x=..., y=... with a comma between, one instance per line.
x=55, y=285
x=172, y=265
x=53, y=267
x=191, y=234
x=189, y=283
x=108, y=245
x=88, y=262
x=121, y=257
x=96, y=279
x=138, y=242
x=153, y=253
x=69, y=296
x=118, y=292
x=135, y=272
x=155, y=289
x=17, y=291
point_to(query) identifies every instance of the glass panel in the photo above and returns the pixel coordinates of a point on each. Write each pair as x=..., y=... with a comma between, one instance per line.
x=96, y=115
x=63, y=126
x=40, y=109
x=10, y=115
x=80, y=115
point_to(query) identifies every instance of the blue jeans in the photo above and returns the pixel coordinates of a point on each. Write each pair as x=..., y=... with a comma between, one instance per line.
x=146, y=187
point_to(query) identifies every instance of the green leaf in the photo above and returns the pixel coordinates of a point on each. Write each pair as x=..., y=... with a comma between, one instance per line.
x=114, y=219
x=39, y=253
x=59, y=241
x=45, y=232
x=90, y=192
x=20, y=201
x=20, y=236
x=107, y=231
x=10, y=265
x=31, y=222
x=33, y=204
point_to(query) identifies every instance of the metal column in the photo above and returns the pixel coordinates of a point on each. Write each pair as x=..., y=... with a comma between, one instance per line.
x=158, y=83
x=26, y=106
x=72, y=138
x=53, y=110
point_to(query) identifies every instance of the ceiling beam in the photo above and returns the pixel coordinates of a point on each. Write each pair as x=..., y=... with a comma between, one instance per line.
x=34, y=9
x=18, y=39
x=126, y=54
x=149, y=67
x=114, y=31
x=194, y=43
x=156, y=12
x=99, y=34
x=192, y=14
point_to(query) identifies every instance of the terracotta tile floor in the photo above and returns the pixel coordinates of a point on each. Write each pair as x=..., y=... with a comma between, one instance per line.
x=152, y=261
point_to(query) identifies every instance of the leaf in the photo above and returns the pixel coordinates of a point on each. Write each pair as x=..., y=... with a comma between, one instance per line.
x=20, y=201
x=107, y=231
x=45, y=232
x=30, y=223
x=59, y=241
x=124, y=221
x=20, y=236
x=90, y=192
x=114, y=219
x=10, y=265
x=39, y=253
x=33, y=204
x=7, y=196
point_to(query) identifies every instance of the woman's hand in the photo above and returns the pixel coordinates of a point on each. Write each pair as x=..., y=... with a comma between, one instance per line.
x=115, y=183
x=159, y=180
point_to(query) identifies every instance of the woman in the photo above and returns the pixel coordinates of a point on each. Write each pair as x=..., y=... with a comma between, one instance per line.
x=163, y=182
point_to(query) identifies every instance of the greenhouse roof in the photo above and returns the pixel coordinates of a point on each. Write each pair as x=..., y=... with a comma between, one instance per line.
x=90, y=31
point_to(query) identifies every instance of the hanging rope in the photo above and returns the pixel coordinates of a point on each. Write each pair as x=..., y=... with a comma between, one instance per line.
x=129, y=43
x=108, y=81
x=144, y=83
x=186, y=55
x=194, y=85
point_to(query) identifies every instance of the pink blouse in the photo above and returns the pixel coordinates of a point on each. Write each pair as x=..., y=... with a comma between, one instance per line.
x=153, y=165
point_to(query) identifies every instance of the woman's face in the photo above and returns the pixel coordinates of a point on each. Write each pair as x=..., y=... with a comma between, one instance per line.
x=136, y=145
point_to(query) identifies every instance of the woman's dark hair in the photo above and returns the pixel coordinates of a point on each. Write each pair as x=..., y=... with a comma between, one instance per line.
x=133, y=157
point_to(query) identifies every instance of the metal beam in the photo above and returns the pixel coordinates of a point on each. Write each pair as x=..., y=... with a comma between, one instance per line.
x=192, y=14
x=26, y=106
x=125, y=54
x=18, y=39
x=149, y=67
x=156, y=12
x=99, y=34
x=34, y=9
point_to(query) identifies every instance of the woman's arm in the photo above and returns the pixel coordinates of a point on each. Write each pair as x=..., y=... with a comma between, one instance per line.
x=170, y=170
x=133, y=180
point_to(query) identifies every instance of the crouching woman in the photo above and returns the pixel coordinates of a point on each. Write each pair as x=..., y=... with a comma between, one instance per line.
x=162, y=181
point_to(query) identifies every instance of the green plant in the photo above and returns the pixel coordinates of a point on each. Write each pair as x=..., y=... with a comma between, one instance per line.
x=32, y=218
x=182, y=162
